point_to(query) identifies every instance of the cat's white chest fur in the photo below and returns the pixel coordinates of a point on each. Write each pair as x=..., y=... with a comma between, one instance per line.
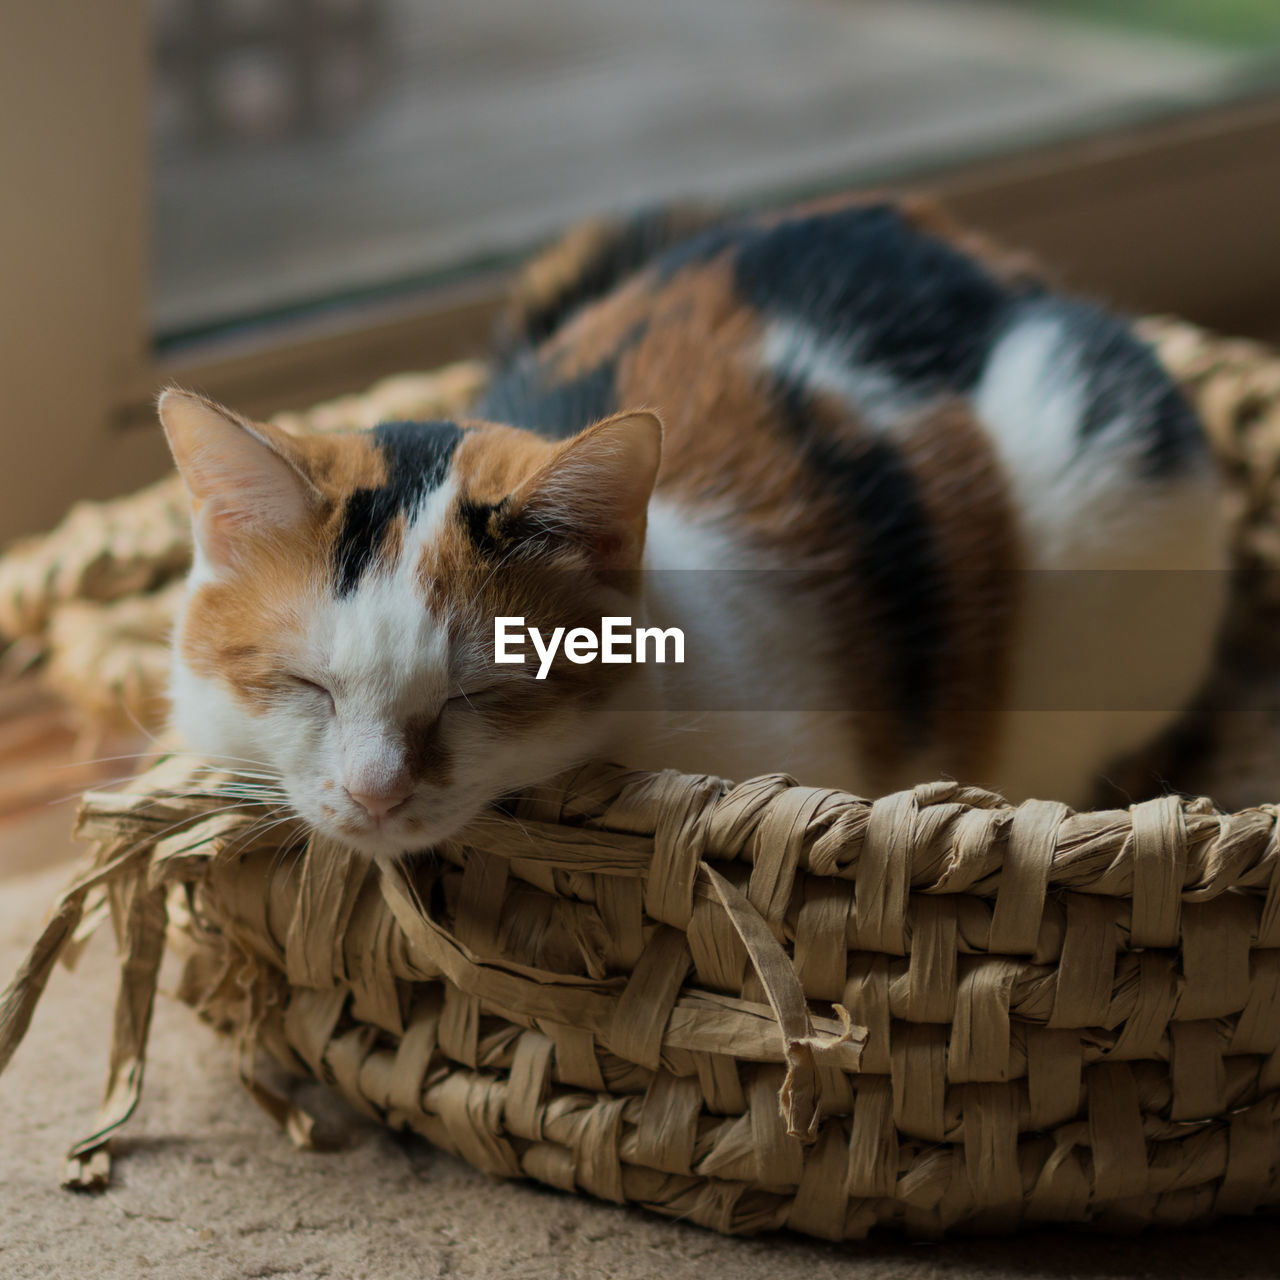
x=749, y=698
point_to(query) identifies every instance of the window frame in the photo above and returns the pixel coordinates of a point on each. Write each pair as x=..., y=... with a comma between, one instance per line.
x=73, y=254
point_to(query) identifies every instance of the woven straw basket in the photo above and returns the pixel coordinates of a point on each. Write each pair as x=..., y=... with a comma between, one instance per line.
x=754, y=1006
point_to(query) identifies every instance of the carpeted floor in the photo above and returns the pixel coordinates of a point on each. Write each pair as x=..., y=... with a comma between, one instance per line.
x=207, y=1189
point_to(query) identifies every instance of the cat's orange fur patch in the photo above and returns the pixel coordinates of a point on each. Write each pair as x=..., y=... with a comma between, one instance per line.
x=244, y=627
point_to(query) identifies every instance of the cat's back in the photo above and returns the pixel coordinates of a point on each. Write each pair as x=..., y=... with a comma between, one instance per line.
x=838, y=328
x=856, y=388
x=854, y=353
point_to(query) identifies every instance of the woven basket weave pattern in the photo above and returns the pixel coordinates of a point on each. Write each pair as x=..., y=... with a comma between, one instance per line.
x=1066, y=1015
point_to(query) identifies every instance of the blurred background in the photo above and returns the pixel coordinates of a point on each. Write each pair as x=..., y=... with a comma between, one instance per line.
x=281, y=200
x=306, y=149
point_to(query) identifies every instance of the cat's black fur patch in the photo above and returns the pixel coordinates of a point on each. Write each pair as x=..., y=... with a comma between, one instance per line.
x=417, y=456
x=892, y=557
x=478, y=520
x=1125, y=381
x=905, y=301
x=528, y=394
x=702, y=248
x=629, y=244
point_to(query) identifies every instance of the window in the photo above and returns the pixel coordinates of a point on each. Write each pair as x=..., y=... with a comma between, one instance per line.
x=306, y=152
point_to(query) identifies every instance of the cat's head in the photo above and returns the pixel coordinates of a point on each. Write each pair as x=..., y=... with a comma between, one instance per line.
x=339, y=627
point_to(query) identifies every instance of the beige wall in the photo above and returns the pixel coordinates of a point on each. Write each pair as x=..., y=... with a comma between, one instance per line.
x=73, y=252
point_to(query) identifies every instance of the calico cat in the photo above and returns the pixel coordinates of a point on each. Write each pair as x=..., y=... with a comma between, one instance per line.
x=914, y=512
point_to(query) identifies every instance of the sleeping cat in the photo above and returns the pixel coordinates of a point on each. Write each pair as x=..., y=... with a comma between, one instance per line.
x=912, y=511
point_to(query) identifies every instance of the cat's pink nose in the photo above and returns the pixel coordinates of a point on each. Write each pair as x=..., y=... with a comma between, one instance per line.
x=380, y=804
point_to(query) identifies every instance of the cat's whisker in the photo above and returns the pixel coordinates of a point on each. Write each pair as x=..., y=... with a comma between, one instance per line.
x=284, y=853
x=528, y=835
x=99, y=784
x=141, y=728
x=271, y=823
x=263, y=774
x=128, y=755
x=259, y=765
x=265, y=788
x=275, y=815
x=187, y=820
x=248, y=784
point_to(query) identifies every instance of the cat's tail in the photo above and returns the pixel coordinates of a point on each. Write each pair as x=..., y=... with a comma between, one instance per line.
x=589, y=260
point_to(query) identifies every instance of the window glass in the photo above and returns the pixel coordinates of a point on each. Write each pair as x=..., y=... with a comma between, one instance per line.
x=309, y=150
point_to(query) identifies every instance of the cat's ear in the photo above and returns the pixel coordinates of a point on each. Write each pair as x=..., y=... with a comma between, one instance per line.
x=596, y=489
x=242, y=477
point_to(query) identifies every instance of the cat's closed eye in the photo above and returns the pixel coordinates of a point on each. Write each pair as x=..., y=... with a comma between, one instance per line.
x=312, y=687
x=473, y=693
